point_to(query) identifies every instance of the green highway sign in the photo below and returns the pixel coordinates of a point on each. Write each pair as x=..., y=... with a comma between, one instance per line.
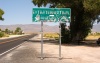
x=51, y=14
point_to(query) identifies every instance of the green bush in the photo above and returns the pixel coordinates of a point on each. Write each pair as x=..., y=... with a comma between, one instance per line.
x=1, y=34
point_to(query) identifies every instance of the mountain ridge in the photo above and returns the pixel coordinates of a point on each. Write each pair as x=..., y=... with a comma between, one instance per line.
x=35, y=28
x=31, y=28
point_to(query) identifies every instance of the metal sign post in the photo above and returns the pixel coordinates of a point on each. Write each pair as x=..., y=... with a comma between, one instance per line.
x=42, y=40
x=60, y=40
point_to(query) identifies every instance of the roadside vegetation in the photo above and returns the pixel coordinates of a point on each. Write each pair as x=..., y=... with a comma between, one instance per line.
x=7, y=32
x=52, y=35
x=92, y=36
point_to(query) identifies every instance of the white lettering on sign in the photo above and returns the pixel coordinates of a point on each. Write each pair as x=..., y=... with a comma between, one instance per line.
x=50, y=12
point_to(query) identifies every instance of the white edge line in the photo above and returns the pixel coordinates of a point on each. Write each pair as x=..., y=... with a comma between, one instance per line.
x=11, y=49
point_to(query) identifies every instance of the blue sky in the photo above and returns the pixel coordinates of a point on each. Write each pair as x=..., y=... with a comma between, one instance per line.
x=17, y=12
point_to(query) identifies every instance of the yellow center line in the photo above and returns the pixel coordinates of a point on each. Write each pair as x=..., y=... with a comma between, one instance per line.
x=12, y=40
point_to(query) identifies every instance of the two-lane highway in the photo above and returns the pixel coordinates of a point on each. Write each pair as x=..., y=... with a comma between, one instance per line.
x=7, y=44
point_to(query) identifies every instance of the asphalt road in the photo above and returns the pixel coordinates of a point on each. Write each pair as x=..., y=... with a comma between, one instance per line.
x=7, y=44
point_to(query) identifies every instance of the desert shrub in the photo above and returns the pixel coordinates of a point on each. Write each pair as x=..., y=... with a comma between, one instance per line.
x=1, y=34
x=18, y=31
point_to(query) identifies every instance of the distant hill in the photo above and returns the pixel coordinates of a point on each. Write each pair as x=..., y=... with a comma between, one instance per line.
x=31, y=28
x=34, y=28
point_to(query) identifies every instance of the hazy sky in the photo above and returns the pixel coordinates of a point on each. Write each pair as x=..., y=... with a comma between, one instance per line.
x=17, y=12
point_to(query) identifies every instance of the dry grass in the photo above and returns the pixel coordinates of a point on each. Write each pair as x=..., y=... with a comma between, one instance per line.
x=51, y=35
x=93, y=37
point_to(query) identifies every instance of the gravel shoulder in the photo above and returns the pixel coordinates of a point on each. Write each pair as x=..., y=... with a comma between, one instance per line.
x=12, y=36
